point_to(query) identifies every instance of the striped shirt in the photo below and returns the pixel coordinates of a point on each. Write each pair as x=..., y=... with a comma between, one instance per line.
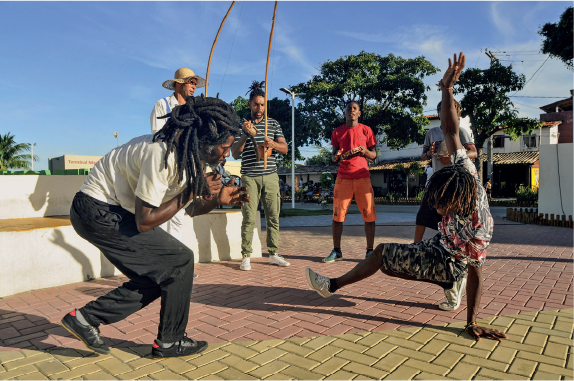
x=249, y=165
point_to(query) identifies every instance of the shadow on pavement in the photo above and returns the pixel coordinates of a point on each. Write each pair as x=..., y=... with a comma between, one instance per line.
x=34, y=332
x=280, y=299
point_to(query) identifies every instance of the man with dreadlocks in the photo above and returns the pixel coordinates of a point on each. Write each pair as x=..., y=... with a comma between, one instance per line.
x=262, y=183
x=464, y=233
x=128, y=194
x=184, y=84
x=434, y=148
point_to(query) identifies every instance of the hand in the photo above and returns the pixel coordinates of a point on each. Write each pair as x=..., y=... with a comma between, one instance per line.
x=213, y=180
x=478, y=332
x=454, y=69
x=444, y=160
x=232, y=195
x=269, y=143
x=249, y=128
x=362, y=150
x=337, y=156
x=431, y=151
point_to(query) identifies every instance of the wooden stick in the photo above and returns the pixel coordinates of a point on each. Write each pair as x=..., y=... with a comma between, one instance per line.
x=267, y=83
x=213, y=47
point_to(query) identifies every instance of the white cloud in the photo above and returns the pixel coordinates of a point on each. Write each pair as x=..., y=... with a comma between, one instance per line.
x=501, y=20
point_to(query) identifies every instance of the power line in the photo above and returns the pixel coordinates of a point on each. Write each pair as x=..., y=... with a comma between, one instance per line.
x=528, y=96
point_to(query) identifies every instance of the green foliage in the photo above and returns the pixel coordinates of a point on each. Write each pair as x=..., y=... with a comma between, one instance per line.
x=526, y=194
x=327, y=180
x=558, y=38
x=390, y=91
x=322, y=158
x=420, y=195
x=414, y=168
x=12, y=154
x=487, y=104
x=392, y=196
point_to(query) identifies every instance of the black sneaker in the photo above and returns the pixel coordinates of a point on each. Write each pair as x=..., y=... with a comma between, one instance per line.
x=88, y=334
x=184, y=347
x=369, y=251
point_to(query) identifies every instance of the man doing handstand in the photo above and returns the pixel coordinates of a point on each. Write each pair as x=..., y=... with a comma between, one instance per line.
x=464, y=233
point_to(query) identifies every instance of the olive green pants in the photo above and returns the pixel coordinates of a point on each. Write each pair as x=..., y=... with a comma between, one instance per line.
x=266, y=189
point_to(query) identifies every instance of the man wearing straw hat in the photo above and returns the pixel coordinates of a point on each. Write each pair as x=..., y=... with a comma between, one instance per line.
x=184, y=84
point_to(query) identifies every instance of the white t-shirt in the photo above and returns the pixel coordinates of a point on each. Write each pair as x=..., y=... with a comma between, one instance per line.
x=428, y=172
x=134, y=169
x=160, y=110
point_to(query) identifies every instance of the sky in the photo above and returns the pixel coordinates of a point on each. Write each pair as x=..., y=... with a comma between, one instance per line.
x=73, y=73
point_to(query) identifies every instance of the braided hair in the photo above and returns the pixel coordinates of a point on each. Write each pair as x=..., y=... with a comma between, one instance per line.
x=453, y=186
x=200, y=121
x=256, y=90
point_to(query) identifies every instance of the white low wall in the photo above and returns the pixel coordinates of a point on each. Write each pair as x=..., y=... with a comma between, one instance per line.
x=555, y=193
x=48, y=257
x=25, y=196
x=38, y=257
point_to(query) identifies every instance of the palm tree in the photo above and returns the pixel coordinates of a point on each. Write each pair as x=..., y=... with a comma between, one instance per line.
x=12, y=154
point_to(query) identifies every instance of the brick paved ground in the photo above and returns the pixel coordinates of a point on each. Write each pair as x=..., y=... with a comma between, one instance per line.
x=267, y=324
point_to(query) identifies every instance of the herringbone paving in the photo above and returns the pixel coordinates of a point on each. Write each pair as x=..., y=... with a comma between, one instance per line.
x=266, y=324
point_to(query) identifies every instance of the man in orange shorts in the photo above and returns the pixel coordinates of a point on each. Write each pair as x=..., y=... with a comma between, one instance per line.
x=353, y=143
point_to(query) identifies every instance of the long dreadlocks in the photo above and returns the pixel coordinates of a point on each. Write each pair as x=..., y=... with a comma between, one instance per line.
x=200, y=121
x=453, y=186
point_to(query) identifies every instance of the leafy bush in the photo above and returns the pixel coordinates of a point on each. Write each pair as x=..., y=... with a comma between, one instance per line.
x=326, y=180
x=526, y=194
x=392, y=196
x=420, y=195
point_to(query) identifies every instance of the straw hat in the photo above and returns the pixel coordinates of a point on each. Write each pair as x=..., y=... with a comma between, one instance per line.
x=182, y=76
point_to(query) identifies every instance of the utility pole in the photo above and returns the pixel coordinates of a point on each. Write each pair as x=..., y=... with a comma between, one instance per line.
x=491, y=56
x=489, y=146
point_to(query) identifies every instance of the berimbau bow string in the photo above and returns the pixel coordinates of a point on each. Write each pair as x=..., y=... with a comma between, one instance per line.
x=266, y=83
x=213, y=47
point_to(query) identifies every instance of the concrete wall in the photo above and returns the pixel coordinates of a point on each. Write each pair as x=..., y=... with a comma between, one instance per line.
x=555, y=193
x=35, y=254
x=48, y=257
x=72, y=162
x=37, y=195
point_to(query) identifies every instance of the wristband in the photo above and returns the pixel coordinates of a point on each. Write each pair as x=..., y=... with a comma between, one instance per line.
x=440, y=84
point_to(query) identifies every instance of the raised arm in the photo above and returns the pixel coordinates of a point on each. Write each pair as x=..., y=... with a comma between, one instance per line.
x=448, y=116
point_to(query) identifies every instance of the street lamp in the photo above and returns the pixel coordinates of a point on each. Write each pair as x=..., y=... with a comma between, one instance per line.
x=32, y=154
x=116, y=135
x=293, y=95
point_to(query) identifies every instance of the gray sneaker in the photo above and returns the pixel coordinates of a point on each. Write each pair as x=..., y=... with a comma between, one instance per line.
x=318, y=282
x=454, y=295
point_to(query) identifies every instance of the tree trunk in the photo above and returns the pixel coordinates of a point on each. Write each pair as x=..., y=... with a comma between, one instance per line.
x=407, y=185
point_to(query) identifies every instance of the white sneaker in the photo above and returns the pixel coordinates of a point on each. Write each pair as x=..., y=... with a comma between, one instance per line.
x=453, y=296
x=318, y=283
x=245, y=264
x=278, y=260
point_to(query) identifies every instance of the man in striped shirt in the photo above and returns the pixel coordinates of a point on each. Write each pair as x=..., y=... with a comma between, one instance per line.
x=262, y=183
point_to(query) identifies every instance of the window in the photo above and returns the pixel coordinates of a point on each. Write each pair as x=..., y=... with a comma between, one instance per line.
x=497, y=141
x=529, y=141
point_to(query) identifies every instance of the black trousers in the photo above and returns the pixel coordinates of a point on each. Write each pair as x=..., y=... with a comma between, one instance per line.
x=157, y=265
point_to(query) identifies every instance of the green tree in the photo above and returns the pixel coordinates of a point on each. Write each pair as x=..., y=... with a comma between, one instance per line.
x=558, y=38
x=12, y=154
x=389, y=90
x=280, y=110
x=488, y=106
x=322, y=158
x=413, y=169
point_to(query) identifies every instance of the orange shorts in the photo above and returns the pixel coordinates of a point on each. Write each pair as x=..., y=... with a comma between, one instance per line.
x=362, y=191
